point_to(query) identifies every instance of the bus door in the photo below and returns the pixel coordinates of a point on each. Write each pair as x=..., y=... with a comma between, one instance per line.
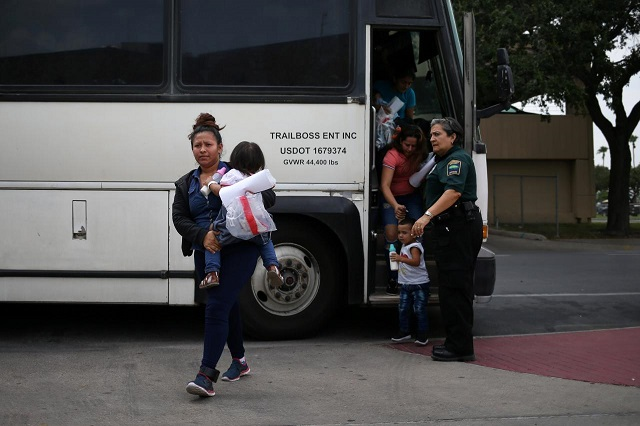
x=393, y=49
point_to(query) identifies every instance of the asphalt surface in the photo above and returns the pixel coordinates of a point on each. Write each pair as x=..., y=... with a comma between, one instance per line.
x=302, y=383
x=132, y=373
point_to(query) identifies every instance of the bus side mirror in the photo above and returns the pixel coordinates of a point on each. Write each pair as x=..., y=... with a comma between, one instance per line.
x=505, y=87
x=505, y=78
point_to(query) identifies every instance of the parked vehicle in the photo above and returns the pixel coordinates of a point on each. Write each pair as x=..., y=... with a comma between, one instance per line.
x=603, y=208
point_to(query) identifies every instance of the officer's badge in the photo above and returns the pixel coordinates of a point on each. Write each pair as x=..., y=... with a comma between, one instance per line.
x=453, y=168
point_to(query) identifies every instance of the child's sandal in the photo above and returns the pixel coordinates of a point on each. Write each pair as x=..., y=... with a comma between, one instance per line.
x=211, y=280
x=274, y=277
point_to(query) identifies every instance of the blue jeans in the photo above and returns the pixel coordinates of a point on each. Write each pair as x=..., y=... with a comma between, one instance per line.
x=414, y=296
x=262, y=241
x=213, y=260
x=223, y=323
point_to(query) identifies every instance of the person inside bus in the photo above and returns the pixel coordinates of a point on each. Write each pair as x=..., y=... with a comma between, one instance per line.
x=399, y=86
x=223, y=323
x=455, y=227
x=247, y=159
x=401, y=199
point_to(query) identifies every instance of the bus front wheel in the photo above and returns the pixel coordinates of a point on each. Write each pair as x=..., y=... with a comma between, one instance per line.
x=308, y=297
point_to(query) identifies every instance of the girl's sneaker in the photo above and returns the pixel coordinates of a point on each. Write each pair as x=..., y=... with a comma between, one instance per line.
x=203, y=383
x=236, y=370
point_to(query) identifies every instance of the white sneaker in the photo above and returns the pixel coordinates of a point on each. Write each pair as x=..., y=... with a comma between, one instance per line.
x=421, y=340
x=401, y=337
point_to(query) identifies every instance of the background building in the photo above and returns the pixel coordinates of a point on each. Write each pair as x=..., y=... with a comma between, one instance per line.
x=541, y=168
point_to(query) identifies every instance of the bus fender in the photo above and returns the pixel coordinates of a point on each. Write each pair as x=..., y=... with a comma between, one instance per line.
x=484, y=276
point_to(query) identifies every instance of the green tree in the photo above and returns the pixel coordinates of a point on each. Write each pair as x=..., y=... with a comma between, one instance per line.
x=603, y=150
x=601, y=178
x=559, y=51
x=634, y=185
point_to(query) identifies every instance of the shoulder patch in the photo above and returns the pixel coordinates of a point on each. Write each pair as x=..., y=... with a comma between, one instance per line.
x=453, y=167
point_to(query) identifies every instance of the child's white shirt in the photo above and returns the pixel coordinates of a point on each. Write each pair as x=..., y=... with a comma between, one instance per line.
x=231, y=177
x=408, y=274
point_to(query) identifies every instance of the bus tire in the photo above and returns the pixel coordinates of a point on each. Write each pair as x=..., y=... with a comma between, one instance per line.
x=304, y=303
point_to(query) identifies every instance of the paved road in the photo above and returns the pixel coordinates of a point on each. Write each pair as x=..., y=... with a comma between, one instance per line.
x=83, y=365
x=572, y=285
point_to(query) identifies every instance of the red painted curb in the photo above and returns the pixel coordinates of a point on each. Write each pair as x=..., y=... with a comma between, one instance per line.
x=603, y=356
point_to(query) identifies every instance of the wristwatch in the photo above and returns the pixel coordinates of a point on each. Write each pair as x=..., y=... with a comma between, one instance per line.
x=428, y=213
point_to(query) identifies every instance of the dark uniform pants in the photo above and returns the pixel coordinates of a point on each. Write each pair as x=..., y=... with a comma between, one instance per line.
x=457, y=244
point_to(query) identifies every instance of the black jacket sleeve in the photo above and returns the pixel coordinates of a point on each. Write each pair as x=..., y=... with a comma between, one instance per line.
x=182, y=219
x=268, y=198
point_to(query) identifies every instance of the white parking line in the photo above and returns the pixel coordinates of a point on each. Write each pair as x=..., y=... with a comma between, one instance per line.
x=590, y=253
x=635, y=293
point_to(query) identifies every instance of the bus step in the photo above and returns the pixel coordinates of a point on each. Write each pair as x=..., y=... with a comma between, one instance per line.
x=380, y=298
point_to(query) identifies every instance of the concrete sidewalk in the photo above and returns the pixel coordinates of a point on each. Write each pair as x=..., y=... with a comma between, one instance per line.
x=516, y=234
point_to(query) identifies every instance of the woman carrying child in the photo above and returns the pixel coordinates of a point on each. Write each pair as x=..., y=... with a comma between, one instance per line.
x=193, y=216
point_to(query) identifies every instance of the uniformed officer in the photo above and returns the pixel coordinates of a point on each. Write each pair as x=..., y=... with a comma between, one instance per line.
x=456, y=233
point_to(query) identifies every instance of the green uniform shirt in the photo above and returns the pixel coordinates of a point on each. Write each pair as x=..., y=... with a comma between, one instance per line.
x=453, y=171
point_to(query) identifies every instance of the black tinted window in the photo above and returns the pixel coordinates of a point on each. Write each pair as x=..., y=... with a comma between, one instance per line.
x=275, y=43
x=81, y=42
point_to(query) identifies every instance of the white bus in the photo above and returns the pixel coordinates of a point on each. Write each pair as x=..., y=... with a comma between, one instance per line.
x=97, y=99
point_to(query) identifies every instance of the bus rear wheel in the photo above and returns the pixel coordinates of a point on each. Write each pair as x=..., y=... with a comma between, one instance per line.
x=309, y=294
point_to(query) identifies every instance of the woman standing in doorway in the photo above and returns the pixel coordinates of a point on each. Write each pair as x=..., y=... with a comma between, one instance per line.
x=400, y=198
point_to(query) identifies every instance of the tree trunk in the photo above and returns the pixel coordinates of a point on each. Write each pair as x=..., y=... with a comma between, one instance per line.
x=618, y=213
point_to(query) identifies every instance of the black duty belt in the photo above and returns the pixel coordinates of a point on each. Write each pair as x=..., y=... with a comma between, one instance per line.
x=459, y=209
